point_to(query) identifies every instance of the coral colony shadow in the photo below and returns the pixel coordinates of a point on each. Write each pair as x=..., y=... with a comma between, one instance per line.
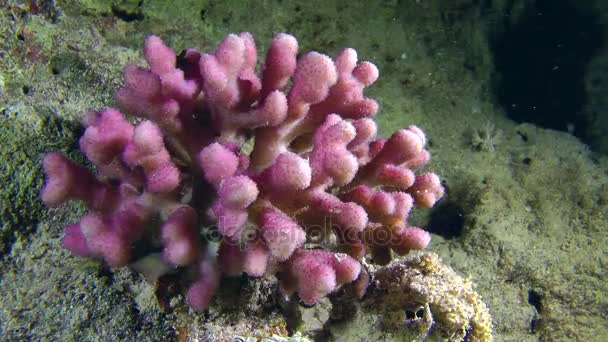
x=317, y=170
x=541, y=61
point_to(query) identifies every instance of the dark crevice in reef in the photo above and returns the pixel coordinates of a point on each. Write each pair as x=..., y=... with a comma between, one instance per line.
x=534, y=299
x=129, y=15
x=447, y=220
x=541, y=56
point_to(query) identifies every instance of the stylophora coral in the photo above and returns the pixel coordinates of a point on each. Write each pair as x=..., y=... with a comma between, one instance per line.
x=317, y=168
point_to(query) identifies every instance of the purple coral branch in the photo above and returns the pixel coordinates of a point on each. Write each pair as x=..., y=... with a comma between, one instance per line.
x=317, y=168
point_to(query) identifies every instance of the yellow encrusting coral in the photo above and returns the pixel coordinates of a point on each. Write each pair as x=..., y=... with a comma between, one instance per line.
x=419, y=291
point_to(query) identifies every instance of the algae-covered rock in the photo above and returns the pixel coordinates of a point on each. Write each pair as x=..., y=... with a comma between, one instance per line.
x=25, y=137
x=421, y=292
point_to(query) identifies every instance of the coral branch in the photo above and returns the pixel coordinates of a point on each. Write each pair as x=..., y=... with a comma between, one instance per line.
x=317, y=170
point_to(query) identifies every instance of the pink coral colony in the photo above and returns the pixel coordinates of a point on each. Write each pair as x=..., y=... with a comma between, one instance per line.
x=316, y=174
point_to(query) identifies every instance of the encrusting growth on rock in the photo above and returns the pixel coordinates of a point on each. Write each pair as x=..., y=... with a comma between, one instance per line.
x=316, y=168
x=419, y=291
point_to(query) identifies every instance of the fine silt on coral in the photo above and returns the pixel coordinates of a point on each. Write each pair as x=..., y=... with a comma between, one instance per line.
x=317, y=172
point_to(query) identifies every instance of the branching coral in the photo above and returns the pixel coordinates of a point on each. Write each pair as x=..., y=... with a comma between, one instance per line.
x=317, y=168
